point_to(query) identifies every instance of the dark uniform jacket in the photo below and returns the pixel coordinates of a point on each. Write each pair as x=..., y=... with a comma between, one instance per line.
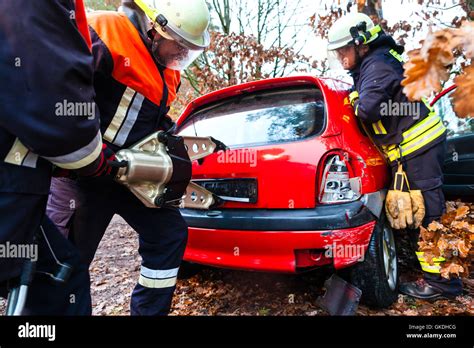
x=384, y=109
x=47, y=114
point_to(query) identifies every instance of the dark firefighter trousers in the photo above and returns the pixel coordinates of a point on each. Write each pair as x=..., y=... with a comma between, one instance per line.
x=21, y=216
x=425, y=173
x=162, y=234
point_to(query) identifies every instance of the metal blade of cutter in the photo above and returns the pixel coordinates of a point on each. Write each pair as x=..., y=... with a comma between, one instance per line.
x=201, y=147
x=197, y=197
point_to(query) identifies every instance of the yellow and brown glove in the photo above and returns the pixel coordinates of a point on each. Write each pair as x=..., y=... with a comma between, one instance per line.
x=418, y=206
x=398, y=204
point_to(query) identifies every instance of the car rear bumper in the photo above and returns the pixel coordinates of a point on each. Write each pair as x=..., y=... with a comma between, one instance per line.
x=325, y=217
x=286, y=241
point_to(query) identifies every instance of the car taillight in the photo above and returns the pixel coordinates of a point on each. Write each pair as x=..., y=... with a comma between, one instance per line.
x=338, y=184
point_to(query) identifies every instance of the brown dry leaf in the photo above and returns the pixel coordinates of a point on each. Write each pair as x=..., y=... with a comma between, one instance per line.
x=462, y=226
x=411, y=313
x=422, y=77
x=435, y=226
x=442, y=245
x=429, y=256
x=462, y=212
x=451, y=206
x=451, y=268
x=427, y=234
x=426, y=70
x=467, y=29
x=426, y=246
x=454, y=242
x=462, y=248
x=462, y=97
x=448, y=218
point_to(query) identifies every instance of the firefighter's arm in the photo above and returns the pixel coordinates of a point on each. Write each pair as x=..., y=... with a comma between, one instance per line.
x=376, y=88
x=46, y=76
x=103, y=61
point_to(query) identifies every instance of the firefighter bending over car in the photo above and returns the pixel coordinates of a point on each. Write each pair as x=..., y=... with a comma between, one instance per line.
x=138, y=56
x=414, y=145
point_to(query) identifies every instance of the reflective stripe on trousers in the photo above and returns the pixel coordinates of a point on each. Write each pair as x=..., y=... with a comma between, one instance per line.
x=427, y=267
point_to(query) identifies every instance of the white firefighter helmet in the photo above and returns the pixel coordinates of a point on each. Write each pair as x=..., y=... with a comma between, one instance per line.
x=355, y=28
x=185, y=22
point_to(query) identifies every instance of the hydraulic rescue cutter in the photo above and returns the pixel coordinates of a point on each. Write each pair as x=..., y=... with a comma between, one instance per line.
x=159, y=170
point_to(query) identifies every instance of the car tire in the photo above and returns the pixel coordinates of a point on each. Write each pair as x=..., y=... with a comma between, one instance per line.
x=188, y=270
x=378, y=275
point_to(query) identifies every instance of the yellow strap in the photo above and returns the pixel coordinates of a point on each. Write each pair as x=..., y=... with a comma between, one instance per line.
x=397, y=56
x=150, y=12
x=379, y=128
x=406, y=181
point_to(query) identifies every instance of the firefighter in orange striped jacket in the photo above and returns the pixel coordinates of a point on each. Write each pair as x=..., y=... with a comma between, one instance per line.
x=138, y=56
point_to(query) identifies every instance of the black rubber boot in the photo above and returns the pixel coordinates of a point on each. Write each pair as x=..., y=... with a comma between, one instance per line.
x=432, y=287
x=421, y=289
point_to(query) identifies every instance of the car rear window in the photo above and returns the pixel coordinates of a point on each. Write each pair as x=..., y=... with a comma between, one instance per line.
x=261, y=118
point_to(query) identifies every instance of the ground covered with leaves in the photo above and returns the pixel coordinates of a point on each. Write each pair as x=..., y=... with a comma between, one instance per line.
x=116, y=267
x=226, y=292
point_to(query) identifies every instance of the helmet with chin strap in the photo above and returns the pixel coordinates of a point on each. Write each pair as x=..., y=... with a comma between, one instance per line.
x=354, y=28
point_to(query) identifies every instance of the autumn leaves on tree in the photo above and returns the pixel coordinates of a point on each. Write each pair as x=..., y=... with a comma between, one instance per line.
x=429, y=67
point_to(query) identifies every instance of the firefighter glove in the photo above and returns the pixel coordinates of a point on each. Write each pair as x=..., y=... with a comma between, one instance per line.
x=398, y=205
x=418, y=205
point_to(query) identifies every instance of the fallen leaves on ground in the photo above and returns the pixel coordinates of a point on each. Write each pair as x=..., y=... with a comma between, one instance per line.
x=237, y=293
x=219, y=292
x=451, y=239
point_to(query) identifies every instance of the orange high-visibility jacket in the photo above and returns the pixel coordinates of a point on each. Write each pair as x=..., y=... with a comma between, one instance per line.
x=133, y=91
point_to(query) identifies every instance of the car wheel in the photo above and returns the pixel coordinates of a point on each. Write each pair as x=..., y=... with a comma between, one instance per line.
x=377, y=276
x=188, y=270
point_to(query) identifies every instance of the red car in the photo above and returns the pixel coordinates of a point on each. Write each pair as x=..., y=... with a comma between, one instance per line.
x=302, y=186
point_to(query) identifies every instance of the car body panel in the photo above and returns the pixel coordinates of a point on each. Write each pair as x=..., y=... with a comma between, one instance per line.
x=288, y=183
x=275, y=251
x=287, y=167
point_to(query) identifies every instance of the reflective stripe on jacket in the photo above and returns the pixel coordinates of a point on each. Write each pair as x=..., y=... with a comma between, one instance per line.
x=130, y=85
